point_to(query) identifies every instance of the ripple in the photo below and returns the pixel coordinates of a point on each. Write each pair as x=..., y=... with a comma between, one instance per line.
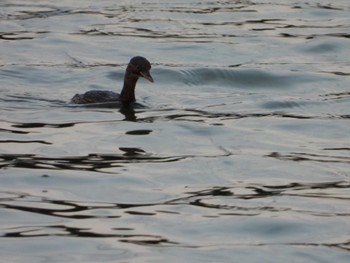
x=18, y=141
x=282, y=104
x=91, y=162
x=21, y=35
x=246, y=78
x=241, y=199
x=300, y=157
x=336, y=96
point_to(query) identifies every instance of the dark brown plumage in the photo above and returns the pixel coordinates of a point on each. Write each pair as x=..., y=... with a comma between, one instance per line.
x=137, y=67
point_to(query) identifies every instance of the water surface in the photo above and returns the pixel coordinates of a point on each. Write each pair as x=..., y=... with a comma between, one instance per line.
x=240, y=153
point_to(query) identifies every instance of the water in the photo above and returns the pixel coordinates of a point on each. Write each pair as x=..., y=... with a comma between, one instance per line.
x=241, y=153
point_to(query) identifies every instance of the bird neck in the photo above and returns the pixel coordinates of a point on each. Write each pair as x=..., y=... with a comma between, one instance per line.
x=127, y=94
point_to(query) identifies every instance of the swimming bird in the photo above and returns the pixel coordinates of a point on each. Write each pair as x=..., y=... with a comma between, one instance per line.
x=137, y=67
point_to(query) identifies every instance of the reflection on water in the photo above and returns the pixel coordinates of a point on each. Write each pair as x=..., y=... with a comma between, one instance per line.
x=240, y=147
x=93, y=162
x=205, y=200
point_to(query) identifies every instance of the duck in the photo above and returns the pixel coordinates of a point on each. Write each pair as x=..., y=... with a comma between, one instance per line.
x=137, y=67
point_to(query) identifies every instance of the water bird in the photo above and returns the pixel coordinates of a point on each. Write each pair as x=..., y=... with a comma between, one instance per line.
x=137, y=67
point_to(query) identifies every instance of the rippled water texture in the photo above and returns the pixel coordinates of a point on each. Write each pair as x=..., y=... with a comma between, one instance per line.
x=240, y=153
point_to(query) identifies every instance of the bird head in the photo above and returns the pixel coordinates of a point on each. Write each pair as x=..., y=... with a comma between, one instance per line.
x=140, y=67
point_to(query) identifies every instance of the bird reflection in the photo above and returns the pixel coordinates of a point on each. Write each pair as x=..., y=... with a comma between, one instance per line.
x=129, y=114
x=128, y=151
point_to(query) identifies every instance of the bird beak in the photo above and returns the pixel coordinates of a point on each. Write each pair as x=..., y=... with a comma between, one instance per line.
x=147, y=76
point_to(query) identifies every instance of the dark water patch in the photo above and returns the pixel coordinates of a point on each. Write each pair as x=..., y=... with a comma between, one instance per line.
x=156, y=241
x=238, y=199
x=20, y=142
x=140, y=213
x=14, y=131
x=31, y=161
x=326, y=190
x=205, y=10
x=329, y=6
x=128, y=31
x=301, y=157
x=313, y=36
x=91, y=162
x=303, y=186
x=78, y=232
x=29, y=11
x=195, y=115
x=336, y=96
x=337, y=149
x=30, y=125
x=56, y=212
x=21, y=35
x=76, y=211
x=42, y=11
x=139, y=132
x=338, y=73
